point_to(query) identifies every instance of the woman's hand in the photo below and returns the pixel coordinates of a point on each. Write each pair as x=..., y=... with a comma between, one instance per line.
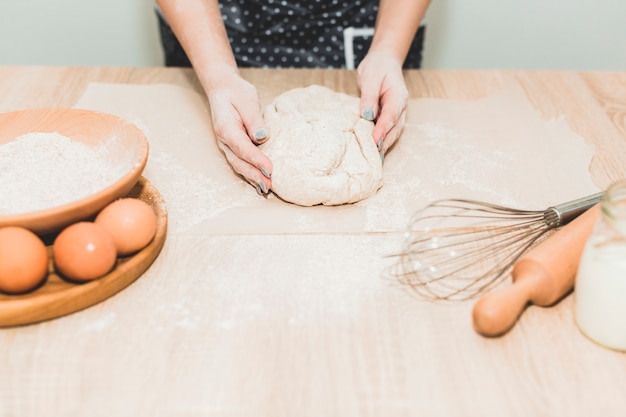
x=239, y=127
x=384, y=97
x=235, y=105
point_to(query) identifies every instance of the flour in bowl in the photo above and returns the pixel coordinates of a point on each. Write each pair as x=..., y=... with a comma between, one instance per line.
x=43, y=170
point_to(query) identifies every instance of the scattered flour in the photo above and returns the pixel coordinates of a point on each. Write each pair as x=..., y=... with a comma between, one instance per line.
x=191, y=196
x=103, y=322
x=42, y=170
x=497, y=149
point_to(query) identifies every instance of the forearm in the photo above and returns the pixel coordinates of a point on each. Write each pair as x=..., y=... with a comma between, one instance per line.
x=200, y=30
x=396, y=25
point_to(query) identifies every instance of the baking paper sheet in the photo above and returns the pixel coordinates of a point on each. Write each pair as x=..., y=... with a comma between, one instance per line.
x=497, y=149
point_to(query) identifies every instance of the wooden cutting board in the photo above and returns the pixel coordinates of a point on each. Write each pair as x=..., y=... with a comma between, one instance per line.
x=57, y=297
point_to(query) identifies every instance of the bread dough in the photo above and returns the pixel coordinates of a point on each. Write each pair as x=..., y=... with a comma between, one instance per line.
x=321, y=149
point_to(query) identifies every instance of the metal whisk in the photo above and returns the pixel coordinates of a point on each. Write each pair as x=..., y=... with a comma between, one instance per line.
x=457, y=249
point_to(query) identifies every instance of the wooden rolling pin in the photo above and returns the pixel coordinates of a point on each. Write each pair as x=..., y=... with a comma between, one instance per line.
x=542, y=276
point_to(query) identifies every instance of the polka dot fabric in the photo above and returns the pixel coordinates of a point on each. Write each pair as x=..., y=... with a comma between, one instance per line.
x=292, y=34
x=281, y=33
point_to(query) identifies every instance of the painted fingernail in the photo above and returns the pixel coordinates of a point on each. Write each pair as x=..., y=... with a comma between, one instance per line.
x=380, y=144
x=258, y=190
x=260, y=134
x=382, y=156
x=263, y=187
x=264, y=172
x=368, y=113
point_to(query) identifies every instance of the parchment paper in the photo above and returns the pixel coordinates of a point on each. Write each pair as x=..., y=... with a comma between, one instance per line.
x=496, y=149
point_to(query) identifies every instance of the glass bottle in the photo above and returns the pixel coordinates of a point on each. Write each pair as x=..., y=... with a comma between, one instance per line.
x=600, y=289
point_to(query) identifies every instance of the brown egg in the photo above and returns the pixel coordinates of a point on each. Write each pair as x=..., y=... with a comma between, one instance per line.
x=84, y=251
x=23, y=260
x=131, y=222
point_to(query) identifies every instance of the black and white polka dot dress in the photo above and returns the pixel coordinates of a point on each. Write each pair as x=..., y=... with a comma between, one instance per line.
x=300, y=33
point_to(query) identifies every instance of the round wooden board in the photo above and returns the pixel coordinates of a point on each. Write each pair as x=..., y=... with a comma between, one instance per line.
x=57, y=297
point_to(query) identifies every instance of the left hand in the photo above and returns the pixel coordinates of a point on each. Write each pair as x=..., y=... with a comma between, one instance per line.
x=384, y=92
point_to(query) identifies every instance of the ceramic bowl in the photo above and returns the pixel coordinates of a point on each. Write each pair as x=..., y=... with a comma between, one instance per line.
x=125, y=145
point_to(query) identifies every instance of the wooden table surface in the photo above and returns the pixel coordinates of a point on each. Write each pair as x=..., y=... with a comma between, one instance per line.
x=216, y=327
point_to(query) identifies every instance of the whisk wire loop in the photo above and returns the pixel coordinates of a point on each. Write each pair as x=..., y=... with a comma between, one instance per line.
x=456, y=249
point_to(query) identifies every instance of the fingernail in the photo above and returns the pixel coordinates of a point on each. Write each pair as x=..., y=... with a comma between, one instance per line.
x=258, y=190
x=264, y=172
x=380, y=144
x=263, y=187
x=382, y=156
x=368, y=113
x=260, y=134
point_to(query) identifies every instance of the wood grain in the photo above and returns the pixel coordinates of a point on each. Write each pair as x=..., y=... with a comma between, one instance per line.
x=303, y=325
x=57, y=297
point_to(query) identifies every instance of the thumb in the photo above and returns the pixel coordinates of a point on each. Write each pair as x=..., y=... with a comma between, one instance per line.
x=369, y=105
x=252, y=119
x=369, y=101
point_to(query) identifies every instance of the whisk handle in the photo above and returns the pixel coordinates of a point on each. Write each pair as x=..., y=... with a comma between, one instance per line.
x=563, y=213
x=541, y=276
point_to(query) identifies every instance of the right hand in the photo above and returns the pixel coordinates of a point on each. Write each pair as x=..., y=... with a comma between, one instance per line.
x=383, y=90
x=238, y=124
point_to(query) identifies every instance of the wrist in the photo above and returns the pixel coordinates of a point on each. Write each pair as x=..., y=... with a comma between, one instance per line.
x=386, y=52
x=216, y=75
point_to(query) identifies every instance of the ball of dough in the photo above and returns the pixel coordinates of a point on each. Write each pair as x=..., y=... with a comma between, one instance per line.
x=321, y=149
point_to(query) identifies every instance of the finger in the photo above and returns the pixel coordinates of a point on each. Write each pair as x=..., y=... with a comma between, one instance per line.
x=388, y=128
x=393, y=134
x=370, y=94
x=253, y=175
x=252, y=118
x=241, y=146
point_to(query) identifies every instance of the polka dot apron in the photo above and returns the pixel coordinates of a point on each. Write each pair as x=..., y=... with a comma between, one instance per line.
x=301, y=33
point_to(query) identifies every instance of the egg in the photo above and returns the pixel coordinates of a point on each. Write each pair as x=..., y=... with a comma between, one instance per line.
x=84, y=251
x=23, y=260
x=131, y=222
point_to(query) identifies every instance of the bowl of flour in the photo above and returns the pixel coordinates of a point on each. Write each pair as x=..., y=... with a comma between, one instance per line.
x=61, y=165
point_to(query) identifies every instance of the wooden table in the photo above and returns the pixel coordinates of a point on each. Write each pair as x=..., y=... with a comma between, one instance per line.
x=220, y=327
